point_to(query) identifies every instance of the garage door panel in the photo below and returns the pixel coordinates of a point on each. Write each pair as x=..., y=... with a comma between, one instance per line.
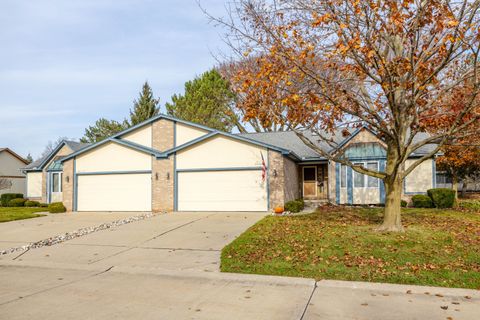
x=114, y=192
x=222, y=191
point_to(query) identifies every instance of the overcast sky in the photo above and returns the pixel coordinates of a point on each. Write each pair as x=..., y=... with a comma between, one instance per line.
x=66, y=63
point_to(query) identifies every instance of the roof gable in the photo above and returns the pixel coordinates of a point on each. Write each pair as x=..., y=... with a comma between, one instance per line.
x=14, y=154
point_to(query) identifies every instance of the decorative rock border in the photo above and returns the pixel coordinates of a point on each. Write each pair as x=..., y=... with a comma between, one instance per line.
x=77, y=233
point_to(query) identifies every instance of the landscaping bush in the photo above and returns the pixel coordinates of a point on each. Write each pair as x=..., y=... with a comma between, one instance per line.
x=6, y=197
x=295, y=205
x=422, y=201
x=442, y=197
x=17, y=202
x=43, y=205
x=30, y=203
x=56, y=207
x=404, y=203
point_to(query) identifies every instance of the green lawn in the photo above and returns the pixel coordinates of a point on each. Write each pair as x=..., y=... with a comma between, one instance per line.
x=10, y=214
x=439, y=247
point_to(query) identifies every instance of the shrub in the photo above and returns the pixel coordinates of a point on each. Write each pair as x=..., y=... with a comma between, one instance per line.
x=295, y=205
x=56, y=207
x=30, y=203
x=422, y=201
x=6, y=197
x=442, y=197
x=17, y=202
x=43, y=205
x=403, y=203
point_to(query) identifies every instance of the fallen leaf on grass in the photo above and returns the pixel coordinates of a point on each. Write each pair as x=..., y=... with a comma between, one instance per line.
x=409, y=291
x=364, y=304
x=444, y=307
x=468, y=297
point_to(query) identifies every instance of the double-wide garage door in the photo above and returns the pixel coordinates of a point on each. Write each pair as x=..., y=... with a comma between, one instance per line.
x=240, y=190
x=114, y=192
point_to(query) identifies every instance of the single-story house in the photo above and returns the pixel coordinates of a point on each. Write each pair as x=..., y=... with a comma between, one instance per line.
x=10, y=170
x=168, y=164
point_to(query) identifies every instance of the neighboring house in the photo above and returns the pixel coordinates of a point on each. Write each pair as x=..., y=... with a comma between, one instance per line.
x=10, y=169
x=167, y=164
x=44, y=176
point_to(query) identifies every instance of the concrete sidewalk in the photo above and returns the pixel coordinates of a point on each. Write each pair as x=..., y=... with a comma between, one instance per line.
x=89, y=292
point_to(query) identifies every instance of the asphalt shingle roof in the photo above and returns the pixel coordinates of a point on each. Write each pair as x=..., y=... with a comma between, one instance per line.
x=290, y=141
x=75, y=146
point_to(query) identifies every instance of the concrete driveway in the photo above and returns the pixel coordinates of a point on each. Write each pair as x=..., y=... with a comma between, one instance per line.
x=167, y=267
x=21, y=232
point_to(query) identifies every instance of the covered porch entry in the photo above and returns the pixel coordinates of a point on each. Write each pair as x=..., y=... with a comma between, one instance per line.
x=314, y=181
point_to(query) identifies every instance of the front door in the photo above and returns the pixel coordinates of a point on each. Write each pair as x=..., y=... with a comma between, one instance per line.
x=310, y=181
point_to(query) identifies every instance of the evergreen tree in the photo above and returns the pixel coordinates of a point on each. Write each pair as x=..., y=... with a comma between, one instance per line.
x=207, y=100
x=102, y=129
x=145, y=107
x=29, y=158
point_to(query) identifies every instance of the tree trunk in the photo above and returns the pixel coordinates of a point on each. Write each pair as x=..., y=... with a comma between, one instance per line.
x=464, y=188
x=455, y=186
x=392, y=221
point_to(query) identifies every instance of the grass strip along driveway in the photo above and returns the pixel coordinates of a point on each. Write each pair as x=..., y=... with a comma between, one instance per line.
x=439, y=247
x=19, y=213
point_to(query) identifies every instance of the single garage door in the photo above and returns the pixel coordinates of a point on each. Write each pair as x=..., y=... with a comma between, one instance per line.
x=222, y=191
x=114, y=192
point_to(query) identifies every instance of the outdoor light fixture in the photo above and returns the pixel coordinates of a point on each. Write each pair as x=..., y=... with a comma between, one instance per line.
x=156, y=175
x=168, y=175
x=68, y=179
x=275, y=173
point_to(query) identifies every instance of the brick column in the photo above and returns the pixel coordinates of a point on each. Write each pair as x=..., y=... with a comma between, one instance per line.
x=163, y=174
x=67, y=186
x=276, y=179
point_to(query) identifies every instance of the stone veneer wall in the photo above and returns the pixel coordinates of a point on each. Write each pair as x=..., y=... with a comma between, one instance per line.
x=292, y=180
x=163, y=174
x=276, y=184
x=67, y=187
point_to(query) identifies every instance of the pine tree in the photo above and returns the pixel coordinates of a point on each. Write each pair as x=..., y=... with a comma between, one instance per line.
x=208, y=100
x=102, y=129
x=145, y=107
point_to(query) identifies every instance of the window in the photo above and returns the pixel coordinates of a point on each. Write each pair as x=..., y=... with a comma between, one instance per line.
x=372, y=182
x=309, y=174
x=361, y=180
x=56, y=182
x=358, y=178
x=343, y=176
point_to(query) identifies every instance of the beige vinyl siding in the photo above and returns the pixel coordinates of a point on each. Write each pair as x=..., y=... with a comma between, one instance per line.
x=220, y=152
x=10, y=165
x=421, y=178
x=115, y=192
x=18, y=186
x=366, y=195
x=34, y=184
x=186, y=133
x=142, y=136
x=113, y=157
x=222, y=191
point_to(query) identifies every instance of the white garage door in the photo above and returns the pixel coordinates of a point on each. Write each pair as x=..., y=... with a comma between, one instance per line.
x=114, y=192
x=222, y=191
